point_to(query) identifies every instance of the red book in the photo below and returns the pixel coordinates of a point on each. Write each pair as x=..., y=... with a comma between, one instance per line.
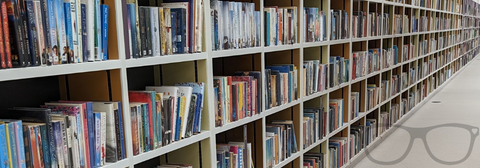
x=6, y=36
x=149, y=98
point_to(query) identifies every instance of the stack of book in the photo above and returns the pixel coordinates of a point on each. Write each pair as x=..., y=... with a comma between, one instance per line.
x=280, y=25
x=359, y=64
x=339, y=70
x=339, y=28
x=165, y=114
x=235, y=25
x=314, y=124
x=317, y=160
x=355, y=100
x=357, y=139
x=281, y=82
x=338, y=147
x=315, y=24
x=376, y=21
x=45, y=32
x=370, y=131
x=359, y=24
x=385, y=90
x=383, y=122
x=281, y=142
x=397, y=24
x=237, y=97
x=386, y=27
x=315, y=77
x=173, y=28
x=395, y=85
x=64, y=133
x=372, y=96
x=374, y=60
x=336, y=107
x=234, y=155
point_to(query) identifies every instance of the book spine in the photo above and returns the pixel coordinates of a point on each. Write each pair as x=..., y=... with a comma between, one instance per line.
x=61, y=31
x=91, y=52
x=120, y=121
x=73, y=33
x=130, y=39
x=163, y=32
x=105, y=13
x=134, y=31
x=25, y=33
x=168, y=26
x=58, y=144
x=173, y=28
x=16, y=40
x=98, y=136
x=184, y=33
x=20, y=145
x=28, y=147
x=148, y=30
x=3, y=59
x=69, y=32
x=103, y=130
x=64, y=132
x=40, y=41
x=91, y=133
x=52, y=29
x=84, y=48
x=98, y=31
x=116, y=153
x=44, y=17
x=79, y=54
x=143, y=39
x=4, y=147
x=6, y=33
x=155, y=31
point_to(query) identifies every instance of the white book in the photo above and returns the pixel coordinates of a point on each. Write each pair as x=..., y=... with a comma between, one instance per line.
x=111, y=138
x=91, y=29
x=168, y=91
x=155, y=28
x=78, y=17
x=74, y=141
x=74, y=25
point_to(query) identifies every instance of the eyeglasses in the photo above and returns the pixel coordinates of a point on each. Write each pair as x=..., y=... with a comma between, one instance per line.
x=436, y=132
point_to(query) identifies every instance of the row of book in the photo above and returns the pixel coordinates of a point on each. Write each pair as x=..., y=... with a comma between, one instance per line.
x=234, y=25
x=389, y=57
x=336, y=108
x=172, y=28
x=357, y=139
x=280, y=141
x=314, y=124
x=376, y=21
x=315, y=25
x=408, y=52
x=370, y=131
x=399, y=24
x=281, y=84
x=237, y=97
x=339, y=28
x=360, y=24
x=373, y=94
x=43, y=32
x=338, y=152
x=280, y=25
x=315, y=160
x=315, y=77
x=339, y=70
x=355, y=102
x=366, y=62
x=385, y=90
x=234, y=155
x=62, y=134
x=165, y=114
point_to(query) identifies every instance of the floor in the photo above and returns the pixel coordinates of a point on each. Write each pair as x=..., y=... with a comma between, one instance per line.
x=460, y=104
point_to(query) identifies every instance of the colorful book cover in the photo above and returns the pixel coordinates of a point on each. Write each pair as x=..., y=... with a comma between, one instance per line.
x=25, y=33
x=134, y=31
x=16, y=41
x=104, y=15
x=140, y=134
x=32, y=33
x=52, y=26
x=69, y=32
x=145, y=128
x=11, y=144
x=98, y=145
x=19, y=141
x=186, y=34
x=129, y=28
x=31, y=143
x=78, y=31
x=72, y=30
x=61, y=31
x=6, y=34
x=163, y=31
x=40, y=40
x=39, y=145
x=198, y=89
x=173, y=28
x=3, y=58
x=4, y=163
x=58, y=141
x=98, y=31
x=149, y=98
x=45, y=148
x=168, y=31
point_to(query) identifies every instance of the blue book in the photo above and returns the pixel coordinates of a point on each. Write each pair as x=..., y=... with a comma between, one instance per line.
x=276, y=29
x=61, y=30
x=19, y=141
x=91, y=131
x=46, y=31
x=120, y=123
x=68, y=20
x=3, y=146
x=104, y=15
x=179, y=120
x=98, y=146
x=12, y=155
x=52, y=28
x=181, y=28
x=98, y=30
x=131, y=14
x=32, y=34
x=198, y=89
x=267, y=29
x=395, y=49
x=146, y=130
x=45, y=148
x=84, y=31
x=173, y=16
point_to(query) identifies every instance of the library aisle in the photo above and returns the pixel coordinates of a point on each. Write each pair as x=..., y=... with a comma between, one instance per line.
x=458, y=103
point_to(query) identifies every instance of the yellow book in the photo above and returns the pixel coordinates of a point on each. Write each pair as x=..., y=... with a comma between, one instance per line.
x=277, y=161
x=183, y=100
x=8, y=144
x=240, y=100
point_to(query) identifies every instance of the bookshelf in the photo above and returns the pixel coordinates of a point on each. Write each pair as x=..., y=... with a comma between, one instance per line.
x=427, y=73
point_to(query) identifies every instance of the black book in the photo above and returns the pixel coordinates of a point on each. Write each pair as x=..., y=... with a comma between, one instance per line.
x=268, y=87
x=143, y=35
x=278, y=91
x=23, y=19
x=17, y=45
x=148, y=31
